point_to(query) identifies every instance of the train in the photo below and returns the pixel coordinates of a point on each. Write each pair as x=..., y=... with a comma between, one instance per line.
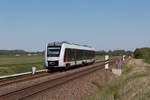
x=65, y=55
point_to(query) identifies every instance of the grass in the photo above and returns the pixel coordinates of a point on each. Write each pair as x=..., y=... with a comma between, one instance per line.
x=19, y=64
x=133, y=84
x=126, y=69
x=147, y=60
x=100, y=58
x=100, y=87
x=12, y=64
x=20, y=59
x=103, y=57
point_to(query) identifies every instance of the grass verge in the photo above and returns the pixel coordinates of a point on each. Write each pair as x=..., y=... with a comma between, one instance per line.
x=133, y=84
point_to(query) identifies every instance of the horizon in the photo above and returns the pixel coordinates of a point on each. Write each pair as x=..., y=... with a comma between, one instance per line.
x=29, y=25
x=95, y=50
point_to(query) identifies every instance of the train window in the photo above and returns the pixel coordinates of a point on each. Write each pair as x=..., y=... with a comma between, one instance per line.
x=53, y=52
x=78, y=54
x=70, y=54
x=71, y=57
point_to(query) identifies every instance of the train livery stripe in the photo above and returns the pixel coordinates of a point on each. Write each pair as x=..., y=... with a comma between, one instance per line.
x=66, y=56
x=75, y=56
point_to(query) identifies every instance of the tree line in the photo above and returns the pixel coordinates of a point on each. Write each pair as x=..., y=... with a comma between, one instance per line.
x=17, y=52
x=114, y=53
x=99, y=53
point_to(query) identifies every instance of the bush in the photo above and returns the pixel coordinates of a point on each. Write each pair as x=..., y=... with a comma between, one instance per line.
x=114, y=53
x=142, y=53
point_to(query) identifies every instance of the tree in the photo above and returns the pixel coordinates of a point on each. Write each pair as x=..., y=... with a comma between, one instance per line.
x=142, y=53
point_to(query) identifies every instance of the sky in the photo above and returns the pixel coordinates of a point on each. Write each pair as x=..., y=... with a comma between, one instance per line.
x=102, y=24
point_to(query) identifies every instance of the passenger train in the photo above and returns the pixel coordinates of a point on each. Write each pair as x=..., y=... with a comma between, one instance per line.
x=65, y=55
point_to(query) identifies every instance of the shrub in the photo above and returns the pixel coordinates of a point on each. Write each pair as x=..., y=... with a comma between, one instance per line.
x=142, y=53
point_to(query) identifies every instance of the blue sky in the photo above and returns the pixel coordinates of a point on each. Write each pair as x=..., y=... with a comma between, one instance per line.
x=103, y=24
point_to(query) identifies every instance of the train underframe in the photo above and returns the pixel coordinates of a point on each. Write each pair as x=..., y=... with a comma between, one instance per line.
x=69, y=65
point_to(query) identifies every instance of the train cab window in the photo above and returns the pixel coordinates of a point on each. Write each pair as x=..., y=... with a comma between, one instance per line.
x=53, y=52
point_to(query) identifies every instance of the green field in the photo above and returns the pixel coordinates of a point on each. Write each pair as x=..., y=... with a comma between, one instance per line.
x=13, y=64
x=100, y=58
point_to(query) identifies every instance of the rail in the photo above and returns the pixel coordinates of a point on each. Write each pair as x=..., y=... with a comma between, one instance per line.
x=21, y=74
x=35, y=89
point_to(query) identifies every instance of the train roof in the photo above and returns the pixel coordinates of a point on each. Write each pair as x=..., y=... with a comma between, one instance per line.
x=64, y=42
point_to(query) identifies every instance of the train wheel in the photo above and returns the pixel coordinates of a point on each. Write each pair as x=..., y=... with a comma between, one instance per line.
x=51, y=69
x=67, y=67
x=83, y=64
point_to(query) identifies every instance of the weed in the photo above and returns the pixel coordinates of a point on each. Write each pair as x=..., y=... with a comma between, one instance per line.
x=147, y=60
x=120, y=88
x=100, y=87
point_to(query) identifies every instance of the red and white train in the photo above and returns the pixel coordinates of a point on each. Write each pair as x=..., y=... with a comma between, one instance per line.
x=65, y=55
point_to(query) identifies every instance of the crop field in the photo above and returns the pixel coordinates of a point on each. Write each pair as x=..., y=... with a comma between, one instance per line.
x=20, y=64
x=100, y=58
x=20, y=59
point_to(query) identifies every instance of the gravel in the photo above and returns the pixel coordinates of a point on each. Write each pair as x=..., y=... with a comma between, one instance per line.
x=73, y=90
x=76, y=89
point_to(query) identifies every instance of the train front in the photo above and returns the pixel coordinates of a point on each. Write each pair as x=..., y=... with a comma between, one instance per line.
x=52, y=54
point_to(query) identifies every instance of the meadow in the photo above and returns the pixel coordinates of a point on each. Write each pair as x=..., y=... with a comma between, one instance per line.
x=19, y=64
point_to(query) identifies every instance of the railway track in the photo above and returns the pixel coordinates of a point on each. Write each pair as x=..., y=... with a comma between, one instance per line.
x=27, y=78
x=35, y=89
x=28, y=91
x=22, y=78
